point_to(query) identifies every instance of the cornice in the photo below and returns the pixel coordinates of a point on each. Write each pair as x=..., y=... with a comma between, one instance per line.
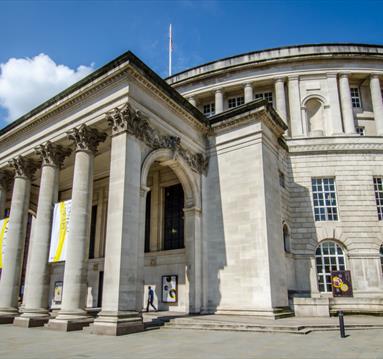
x=320, y=148
x=241, y=120
x=272, y=56
x=178, y=110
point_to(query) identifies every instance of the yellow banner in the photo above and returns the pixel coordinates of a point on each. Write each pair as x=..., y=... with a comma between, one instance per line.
x=60, y=228
x=3, y=236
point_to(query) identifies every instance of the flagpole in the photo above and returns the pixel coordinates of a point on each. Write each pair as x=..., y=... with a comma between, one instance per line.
x=170, y=49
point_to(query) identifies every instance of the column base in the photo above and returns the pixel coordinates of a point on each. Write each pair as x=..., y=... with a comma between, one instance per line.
x=68, y=325
x=7, y=315
x=30, y=322
x=68, y=322
x=117, y=323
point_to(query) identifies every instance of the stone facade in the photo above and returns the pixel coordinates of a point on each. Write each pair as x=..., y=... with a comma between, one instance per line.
x=274, y=121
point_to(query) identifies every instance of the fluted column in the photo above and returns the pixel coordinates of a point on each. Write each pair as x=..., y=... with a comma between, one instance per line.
x=72, y=315
x=13, y=259
x=280, y=98
x=296, y=128
x=346, y=104
x=35, y=311
x=377, y=104
x=218, y=101
x=248, y=92
x=122, y=298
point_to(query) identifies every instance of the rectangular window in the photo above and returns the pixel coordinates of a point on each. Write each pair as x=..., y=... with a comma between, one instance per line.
x=265, y=95
x=355, y=97
x=93, y=222
x=360, y=130
x=174, y=217
x=236, y=101
x=324, y=199
x=209, y=109
x=378, y=187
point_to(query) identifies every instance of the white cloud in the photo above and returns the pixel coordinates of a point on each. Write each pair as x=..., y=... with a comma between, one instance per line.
x=27, y=82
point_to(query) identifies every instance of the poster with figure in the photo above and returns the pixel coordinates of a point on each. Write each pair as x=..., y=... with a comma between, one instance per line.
x=341, y=283
x=169, y=289
x=60, y=229
x=3, y=240
x=58, y=292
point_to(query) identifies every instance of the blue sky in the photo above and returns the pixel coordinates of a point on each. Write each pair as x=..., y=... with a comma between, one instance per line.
x=91, y=33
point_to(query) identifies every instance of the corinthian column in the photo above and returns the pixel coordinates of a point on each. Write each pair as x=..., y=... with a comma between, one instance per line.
x=35, y=312
x=296, y=128
x=280, y=98
x=13, y=259
x=248, y=92
x=218, y=101
x=122, y=299
x=73, y=315
x=346, y=103
x=377, y=103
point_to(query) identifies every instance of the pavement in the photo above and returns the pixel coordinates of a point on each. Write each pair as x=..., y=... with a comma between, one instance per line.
x=16, y=342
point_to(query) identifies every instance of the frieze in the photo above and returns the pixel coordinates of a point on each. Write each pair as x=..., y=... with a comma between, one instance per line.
x=24, y=167
x=86, y=138
x=52, y=154
x=127, y=119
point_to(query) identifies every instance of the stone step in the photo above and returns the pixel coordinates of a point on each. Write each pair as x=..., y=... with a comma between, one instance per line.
x=234, y=327
x=272, y=328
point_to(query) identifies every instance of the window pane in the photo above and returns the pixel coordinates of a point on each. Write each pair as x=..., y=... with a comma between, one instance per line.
x=333, y=258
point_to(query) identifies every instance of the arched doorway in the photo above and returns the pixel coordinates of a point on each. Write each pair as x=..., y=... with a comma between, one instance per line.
x=170, y=212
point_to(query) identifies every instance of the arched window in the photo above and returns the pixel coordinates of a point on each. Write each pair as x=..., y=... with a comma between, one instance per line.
x=315, y=117
x=286, y=238
x=329, y=257
x=381, y=256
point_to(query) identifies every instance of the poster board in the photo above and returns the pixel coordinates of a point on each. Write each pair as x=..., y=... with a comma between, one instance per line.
x=60, y=229
x=169, y=289
x=58, y=292
x=341, y=283
x=3, y=240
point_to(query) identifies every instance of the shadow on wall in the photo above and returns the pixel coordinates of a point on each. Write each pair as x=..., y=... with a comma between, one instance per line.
x=303, y=237
x=214, y=245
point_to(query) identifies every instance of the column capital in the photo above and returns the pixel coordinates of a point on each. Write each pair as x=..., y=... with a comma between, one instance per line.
x=248, y=84
x=331, y=75
x=219, y=90
x=375, y=75
x=280, y=79
x=344, y=75
x=5, y=179
x=293, y=77
x=24, y=167
x=52, y=154
x=86, y=138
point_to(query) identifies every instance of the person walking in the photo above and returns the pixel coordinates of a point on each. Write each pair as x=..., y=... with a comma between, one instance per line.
x=150, y=299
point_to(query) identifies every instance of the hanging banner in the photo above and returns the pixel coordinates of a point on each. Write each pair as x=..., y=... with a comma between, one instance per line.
x=169, y=288
x=60, y=229
x=3, y=240
x=341, y=283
